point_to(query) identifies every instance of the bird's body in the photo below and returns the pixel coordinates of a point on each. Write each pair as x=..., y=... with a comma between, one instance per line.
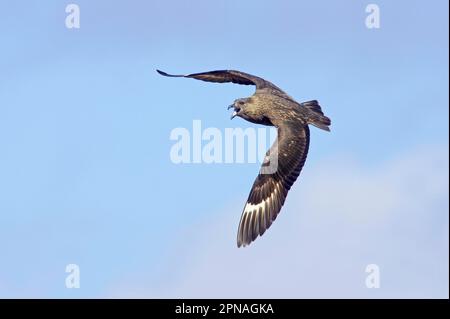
x=274, y=110
x=270, y=105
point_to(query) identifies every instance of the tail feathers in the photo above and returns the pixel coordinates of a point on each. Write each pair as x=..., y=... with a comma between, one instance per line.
x=313, y=106
x=317, y=118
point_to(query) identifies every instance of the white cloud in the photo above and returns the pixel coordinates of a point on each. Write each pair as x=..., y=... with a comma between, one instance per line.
x=339, y=218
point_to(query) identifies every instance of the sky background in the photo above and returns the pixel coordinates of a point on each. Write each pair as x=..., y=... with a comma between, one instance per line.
x=86, y=176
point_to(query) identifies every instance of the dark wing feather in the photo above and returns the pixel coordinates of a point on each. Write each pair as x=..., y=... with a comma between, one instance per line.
x=281, y=167
x=224, y=76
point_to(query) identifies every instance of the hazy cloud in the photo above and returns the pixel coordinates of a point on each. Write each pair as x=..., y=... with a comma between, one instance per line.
x=340, y=218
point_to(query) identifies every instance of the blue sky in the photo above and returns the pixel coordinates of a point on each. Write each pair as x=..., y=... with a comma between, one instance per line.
x=86, y=177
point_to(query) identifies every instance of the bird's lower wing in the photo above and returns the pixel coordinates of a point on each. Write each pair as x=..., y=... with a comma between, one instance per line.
x=281, y=167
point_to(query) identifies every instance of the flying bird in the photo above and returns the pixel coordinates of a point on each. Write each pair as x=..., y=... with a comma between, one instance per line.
x=271, y=106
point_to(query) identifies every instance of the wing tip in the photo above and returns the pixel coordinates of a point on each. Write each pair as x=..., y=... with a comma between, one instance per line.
x=169, y=75
x=242, y=244
x=243, y=241
x=162, y=72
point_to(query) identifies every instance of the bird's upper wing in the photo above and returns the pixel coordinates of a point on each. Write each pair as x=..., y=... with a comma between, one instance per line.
x=224, y=76
x=280, y=169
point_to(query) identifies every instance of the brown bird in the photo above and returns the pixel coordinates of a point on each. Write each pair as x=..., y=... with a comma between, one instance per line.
x=270, y=105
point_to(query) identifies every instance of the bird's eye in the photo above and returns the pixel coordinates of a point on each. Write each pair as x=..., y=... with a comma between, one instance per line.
x=241, y=103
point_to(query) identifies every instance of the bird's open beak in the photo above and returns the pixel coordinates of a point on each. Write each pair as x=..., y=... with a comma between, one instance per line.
x=234, y=113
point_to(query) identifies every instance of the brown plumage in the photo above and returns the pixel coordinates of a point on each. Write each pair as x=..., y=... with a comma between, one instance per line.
x=269, y=105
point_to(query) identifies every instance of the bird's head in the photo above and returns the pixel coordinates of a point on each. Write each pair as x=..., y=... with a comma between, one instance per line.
x=239, y=107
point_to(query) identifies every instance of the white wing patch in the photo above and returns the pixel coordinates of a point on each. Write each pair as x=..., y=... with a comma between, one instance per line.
x=256, y=218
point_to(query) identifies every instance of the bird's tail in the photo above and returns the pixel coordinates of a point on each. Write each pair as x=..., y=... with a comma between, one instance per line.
x=316, y=116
